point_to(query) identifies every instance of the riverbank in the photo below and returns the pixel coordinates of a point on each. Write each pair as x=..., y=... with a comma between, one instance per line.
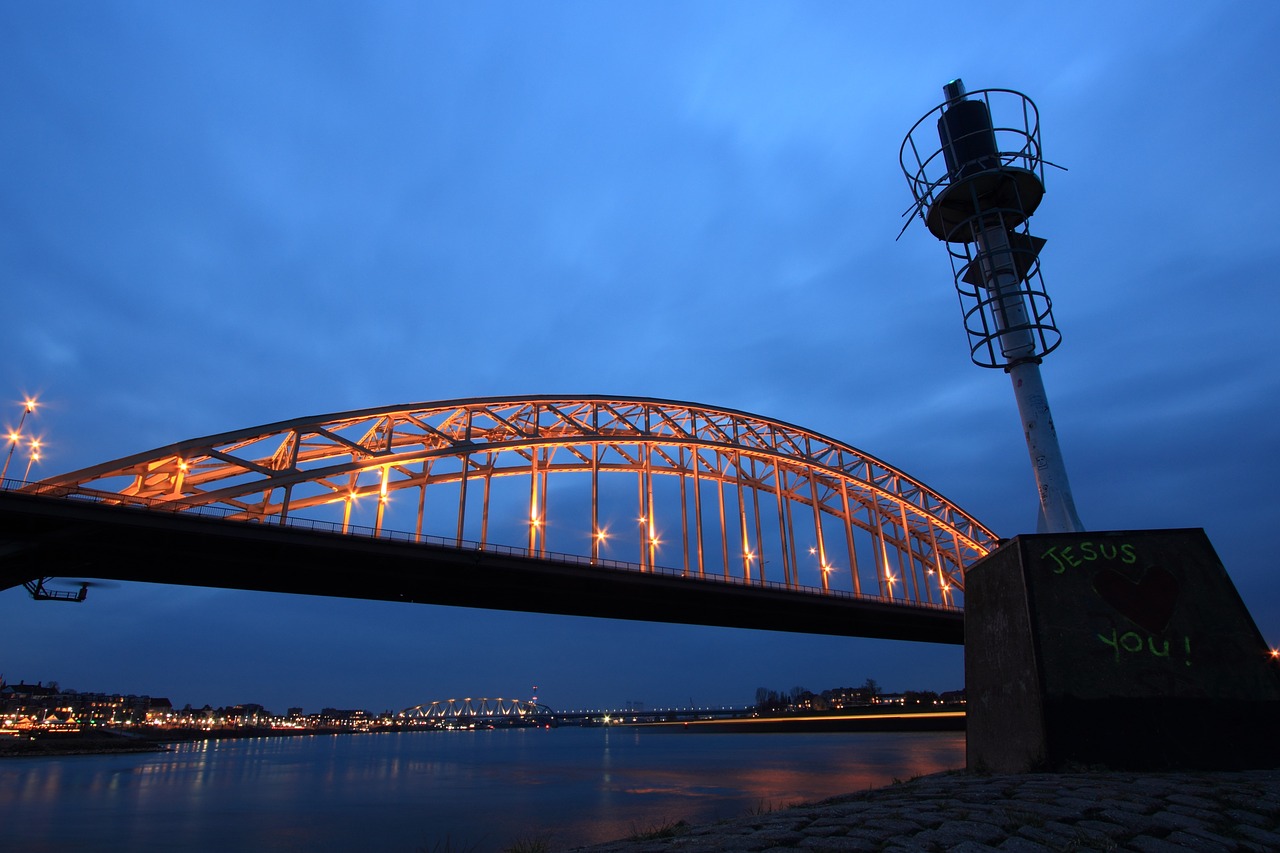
x=1032, y=813
x=96, y=742
x=879, y=721
x=153, y=739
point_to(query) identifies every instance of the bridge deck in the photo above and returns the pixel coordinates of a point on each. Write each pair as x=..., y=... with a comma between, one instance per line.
x=51, y=537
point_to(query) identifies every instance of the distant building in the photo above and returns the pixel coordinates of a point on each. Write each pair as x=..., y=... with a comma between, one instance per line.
x=355, y=719
x=848, y=697
x=159, y=710
x=39, y=703
x=22, y=690
x=249, y=713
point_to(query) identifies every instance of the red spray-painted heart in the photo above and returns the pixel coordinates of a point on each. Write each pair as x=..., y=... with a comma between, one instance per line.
x=1149, y=601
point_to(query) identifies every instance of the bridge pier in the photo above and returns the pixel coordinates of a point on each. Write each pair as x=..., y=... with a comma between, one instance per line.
x=1128, y=649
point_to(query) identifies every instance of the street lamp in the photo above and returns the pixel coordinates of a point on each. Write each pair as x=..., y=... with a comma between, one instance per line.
x=15, y=437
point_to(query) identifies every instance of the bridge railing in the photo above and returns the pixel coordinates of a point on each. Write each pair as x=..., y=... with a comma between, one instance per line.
x=71, y=493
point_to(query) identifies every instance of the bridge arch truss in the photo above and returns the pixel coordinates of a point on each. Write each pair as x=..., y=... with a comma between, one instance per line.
x=661, y=485
x=447, y=710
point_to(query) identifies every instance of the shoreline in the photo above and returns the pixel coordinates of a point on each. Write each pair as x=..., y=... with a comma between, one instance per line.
x=911, y=721
x=53, y=744
x=1035, y=812
x=111, y=741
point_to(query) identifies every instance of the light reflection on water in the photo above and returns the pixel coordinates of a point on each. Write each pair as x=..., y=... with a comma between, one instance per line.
x=422, y=791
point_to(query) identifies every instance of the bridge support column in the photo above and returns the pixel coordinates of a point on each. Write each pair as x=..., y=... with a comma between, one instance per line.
x=1130, y=650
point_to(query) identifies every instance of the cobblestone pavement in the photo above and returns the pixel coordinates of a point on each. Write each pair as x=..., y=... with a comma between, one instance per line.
x=1145, y=812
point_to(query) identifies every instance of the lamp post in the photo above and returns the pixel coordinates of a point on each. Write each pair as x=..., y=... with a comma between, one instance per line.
x=15, y=437
x=33, y=458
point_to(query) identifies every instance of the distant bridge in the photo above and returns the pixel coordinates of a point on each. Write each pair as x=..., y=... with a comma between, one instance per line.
x=663, y=511
x=470, y=710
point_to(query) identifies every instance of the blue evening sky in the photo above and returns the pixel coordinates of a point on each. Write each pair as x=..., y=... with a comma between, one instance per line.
x=215, y=215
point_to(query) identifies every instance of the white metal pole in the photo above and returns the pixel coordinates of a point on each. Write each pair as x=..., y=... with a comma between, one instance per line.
x=1057, y=506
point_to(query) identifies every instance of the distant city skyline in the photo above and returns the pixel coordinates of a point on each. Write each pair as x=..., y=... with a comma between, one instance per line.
x=638, y=703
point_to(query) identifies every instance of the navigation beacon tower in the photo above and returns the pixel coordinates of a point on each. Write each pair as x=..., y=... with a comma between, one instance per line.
x=976, y=184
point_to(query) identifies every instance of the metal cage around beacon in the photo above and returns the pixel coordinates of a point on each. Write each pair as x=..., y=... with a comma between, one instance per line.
x=973, y=163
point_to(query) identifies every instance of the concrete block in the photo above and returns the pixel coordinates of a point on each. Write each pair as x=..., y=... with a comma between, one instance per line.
x=1124, y=649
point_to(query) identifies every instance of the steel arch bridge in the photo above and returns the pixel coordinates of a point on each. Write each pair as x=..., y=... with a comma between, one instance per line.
x=658, y=485
x=457, y=710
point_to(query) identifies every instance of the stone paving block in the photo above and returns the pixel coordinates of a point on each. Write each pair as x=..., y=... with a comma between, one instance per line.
x=1173, y=820
x=987, y=811
x=709, y=829
x=838, y=845
x=1206, y=815
x=1105, y=828
x=1034, y=791
x=1216, y=838
x=1098, y=792
x=1196, y=842
x=1044, y=811
x=1261, y=836
x=1092, y=839
x=830, y=820
x=727, y=828
x=1131, y=806
x=1054, y=839
x=1197, y=788
x=1191, y=800
x=1133, y=822
x=1245, y=816
x=847, y=810
x=750, y=843
x=696, y=845
x=824, y=829
x=1023, y=845
x=1152, y=786
x=866, y=834
x=805, y=812
x=1270, y=798
x=893, y=826
x=1077, y=805
x=1254, y=847
x=1150, y=844
x=778, y=837
x=953, y=833
x=879, y=811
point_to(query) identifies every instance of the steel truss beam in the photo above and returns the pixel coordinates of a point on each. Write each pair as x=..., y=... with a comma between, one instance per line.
x=465, y=709
x=754, y=494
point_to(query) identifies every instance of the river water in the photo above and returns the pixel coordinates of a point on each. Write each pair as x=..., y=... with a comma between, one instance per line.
x=441, y=792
